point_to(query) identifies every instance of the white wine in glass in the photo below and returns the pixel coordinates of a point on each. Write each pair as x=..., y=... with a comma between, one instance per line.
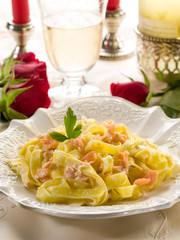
x=72, y=32
x=75, y=49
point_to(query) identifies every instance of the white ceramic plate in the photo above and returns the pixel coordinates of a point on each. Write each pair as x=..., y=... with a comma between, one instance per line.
x=150, y=123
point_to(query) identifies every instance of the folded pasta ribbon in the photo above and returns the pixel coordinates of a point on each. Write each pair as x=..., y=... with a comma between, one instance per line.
x=69, y=189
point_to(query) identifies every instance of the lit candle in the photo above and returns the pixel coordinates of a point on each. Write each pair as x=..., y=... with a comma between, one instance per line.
x=160, y=18
x=20, y=10
x=113, y=5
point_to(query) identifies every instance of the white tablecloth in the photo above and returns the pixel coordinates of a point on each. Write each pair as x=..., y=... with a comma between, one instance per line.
x=17, y=223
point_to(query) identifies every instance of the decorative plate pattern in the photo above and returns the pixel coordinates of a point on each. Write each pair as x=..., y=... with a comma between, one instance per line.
x=149, y=123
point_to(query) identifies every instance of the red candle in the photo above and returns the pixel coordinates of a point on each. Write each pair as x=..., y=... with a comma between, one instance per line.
x=113, y=5
x=20, y=10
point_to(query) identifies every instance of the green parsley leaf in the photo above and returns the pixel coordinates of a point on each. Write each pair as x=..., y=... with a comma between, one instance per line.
x=58, y=136
x=78, y=128
x=69, y=122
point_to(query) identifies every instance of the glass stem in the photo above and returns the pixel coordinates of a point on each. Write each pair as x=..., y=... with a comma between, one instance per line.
x=73, y=85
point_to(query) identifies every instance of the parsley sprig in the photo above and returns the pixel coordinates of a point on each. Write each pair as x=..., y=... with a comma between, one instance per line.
x=71, y=131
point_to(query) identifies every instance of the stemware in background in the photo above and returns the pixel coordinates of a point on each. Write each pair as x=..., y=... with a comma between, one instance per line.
x=73, y=36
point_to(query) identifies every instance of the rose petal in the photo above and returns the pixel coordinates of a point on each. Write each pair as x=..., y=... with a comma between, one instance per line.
x=116, y=88
x=30, y=100
x=113, y=88
x=135, y=92
x=38, y=83
x=25, y=70
x=27, y=57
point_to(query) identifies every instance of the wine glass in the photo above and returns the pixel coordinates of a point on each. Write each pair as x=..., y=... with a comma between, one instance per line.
x=72, y=31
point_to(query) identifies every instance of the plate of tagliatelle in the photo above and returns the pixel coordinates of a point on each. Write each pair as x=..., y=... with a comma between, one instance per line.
x=99, y=157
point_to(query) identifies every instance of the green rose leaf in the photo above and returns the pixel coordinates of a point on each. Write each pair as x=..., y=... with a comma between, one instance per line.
x=12, y=114
x=11, y=95
x=170, y=103
x=3, y=105
x=171, y=99
x=146, y=80
x=170, y=112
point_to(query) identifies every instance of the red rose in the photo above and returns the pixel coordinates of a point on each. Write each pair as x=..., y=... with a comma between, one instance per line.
x=135, y=92
x=29, y=65
x=37, y=96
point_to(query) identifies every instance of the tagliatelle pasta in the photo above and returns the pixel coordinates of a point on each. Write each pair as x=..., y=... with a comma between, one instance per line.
x=105, y=164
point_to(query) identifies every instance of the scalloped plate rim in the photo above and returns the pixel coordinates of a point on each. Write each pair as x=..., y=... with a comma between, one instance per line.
x=98, y=97
x=90, y=215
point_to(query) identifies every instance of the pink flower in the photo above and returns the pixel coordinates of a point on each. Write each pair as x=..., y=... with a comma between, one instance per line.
x=37, y=96
x=135, y=92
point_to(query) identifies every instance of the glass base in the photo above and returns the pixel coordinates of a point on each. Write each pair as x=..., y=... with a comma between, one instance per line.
x=127, y=50
x=61, y=95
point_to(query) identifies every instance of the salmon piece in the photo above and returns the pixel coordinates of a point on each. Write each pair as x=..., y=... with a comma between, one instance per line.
x=117, y=169
x=122, y=138
x=124, y=157
x=110, y=125
x=48, y=165
x=108, y=138
x=148, y=178
x=72, y=173
x=47, y=142
x=79, y=175
x=124, y=164
x=81, y=178
x=142, y=181
x=152, y=175
x=69, y=172
x=43, y=174
x=47, y=155
x=77, y=143
x=123, y=160
x=114, y=137
x=90, y=157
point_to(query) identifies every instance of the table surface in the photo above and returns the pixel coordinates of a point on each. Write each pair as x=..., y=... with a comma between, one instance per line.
x=17, y=223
